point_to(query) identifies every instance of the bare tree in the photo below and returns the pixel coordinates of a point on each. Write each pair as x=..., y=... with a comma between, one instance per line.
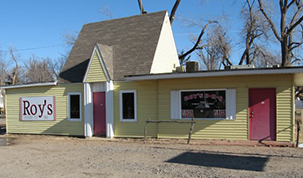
x=11, y=77
x=262, y=57
x=3, y=72
x=2, y=69
x=105, y=11
x=14, y=74
x=197, y=43
x=290, y=22
x=255, y=29
x=215, y=50
x=35, y=66
x=172, y=14
x=56, y=66
x=69, y=38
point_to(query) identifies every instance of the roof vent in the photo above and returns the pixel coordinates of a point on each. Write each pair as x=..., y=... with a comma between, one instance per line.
x=192, y=66
x=249, y=66
x=180, y=69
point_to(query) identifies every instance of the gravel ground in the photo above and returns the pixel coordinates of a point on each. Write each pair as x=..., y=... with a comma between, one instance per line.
x=50, y=156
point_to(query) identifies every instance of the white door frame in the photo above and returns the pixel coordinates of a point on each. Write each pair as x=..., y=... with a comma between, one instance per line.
x=89, y=88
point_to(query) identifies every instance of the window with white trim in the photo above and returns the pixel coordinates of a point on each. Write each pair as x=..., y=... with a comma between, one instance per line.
x=74, y=106
x=128, y=106
x=203, y=104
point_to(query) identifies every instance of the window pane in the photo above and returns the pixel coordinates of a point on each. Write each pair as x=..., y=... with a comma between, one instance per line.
x=75, y=106
x=203, y=104
x=128, y=105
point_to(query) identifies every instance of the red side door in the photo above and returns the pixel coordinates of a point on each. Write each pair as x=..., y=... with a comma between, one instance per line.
x=99, y=113
x=262, y=114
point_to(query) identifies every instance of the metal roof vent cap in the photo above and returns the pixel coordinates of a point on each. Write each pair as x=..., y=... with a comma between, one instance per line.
x=192, y=66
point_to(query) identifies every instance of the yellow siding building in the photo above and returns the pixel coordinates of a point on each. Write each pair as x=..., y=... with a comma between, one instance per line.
x=61, y=126
x=115, y=79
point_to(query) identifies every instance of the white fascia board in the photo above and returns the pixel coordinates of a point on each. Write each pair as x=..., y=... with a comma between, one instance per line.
x=101, y=61
x=215, y=74
x=30, y=85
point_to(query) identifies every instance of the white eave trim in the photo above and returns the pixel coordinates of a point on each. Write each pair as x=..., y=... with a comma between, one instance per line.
x=215, y=74
x=30, y=85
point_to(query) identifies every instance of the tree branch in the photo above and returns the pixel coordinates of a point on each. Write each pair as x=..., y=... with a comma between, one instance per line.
x=288, y=6
x=182, y=56
x=295, y=25
x=243, y=57
x=296, y=45
x=15, y=73
x=173, y=11
x=269, y=21
x=141, y=7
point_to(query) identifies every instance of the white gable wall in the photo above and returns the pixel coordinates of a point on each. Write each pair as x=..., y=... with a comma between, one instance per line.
x=166, y=56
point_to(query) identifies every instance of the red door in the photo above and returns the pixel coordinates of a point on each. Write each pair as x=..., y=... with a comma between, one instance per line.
x=262, y=114
x=99, y=113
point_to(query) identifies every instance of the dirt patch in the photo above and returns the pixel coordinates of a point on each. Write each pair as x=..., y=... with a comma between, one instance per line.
x=50, y=156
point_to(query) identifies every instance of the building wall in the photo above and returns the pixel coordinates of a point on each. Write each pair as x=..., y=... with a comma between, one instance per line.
x=95, y=71
x=153, y=101
x=146, y=109
x=61, y=126
x=228, y=129
x=166, y=56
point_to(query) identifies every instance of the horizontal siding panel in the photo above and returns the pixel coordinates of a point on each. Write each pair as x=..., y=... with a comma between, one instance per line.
x=284, y=113
x=166, y=49
x=59, y=127
x=222, y=129
x=96, y=72
x=146, y=109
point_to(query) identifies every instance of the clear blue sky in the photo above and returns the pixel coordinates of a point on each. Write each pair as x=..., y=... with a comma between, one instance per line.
x=41, y=23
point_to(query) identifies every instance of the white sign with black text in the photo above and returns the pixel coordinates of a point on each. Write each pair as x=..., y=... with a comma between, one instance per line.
x=38, y=108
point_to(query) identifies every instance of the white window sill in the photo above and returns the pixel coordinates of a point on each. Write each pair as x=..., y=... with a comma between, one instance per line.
x=74, y=120
x=128, y=120
x=206, y=119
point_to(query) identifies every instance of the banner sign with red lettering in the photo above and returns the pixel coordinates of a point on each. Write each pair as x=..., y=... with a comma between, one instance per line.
x=203, y=104
x=38, y=108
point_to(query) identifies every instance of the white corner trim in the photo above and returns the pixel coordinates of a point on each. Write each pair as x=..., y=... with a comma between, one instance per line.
x=101, y=61
x=68, y=106
x=121, y=105
x=88, y=111
x=109, y=103
x=30, y=85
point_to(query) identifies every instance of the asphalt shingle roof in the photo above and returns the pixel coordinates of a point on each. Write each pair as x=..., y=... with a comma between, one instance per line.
x=127, y=46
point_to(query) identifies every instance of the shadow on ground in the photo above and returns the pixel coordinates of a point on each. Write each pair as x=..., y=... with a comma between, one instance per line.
x=250, y=163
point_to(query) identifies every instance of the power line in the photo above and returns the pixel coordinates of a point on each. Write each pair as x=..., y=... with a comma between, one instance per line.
x=35, y=48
